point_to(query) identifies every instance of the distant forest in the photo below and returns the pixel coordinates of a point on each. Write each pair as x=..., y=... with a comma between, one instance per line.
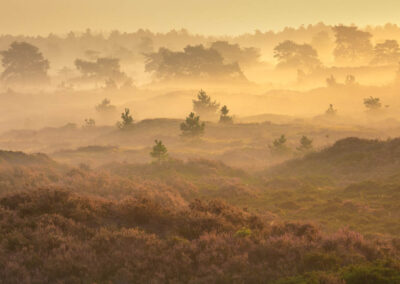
x=129, y=47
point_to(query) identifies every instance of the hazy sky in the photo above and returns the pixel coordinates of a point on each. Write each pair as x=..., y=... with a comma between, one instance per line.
x=199, y=16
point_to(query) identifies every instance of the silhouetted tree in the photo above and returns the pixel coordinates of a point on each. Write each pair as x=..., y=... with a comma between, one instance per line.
x=127, y=120
x=105, y=106
x=331, y=81
x=350, y=80
x=305, y=144
x=195, y=62
x=323, y=44
x=233, y=53
x=192, y=127
x=24, y=63
x=101, y=70
x=204, y=106
x=89, y=123
x=224, y=117
x=159, y=152
x=372, y=103
x=352, y=45
x=110, y=84
x=279, y=145
x=145, y=45
x=387, y=52
x=331, y=110
x=280, y=142
x=299, y=56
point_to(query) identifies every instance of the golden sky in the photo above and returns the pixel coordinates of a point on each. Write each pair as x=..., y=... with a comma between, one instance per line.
x=198, y=16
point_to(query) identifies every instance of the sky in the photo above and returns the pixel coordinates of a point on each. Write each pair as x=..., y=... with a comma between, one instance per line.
x=215, y=17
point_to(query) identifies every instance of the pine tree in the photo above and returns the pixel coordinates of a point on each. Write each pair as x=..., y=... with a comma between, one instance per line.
x=331, y=110
x=159, y=152
x=305, y=144
x=224, y=117
x=127, y=120
x=192, y=127
x=279, y=145
x=204, y=106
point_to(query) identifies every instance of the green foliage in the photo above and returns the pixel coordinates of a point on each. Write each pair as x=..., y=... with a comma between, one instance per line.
x=192, y=127
x=315, y=277
x=243, y=232
x=305, y=144
x=224, y=117
x=204, y=106
x=127, y=120
x=379, y=273
x=159, y=152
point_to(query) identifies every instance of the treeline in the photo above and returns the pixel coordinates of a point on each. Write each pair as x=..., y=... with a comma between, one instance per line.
x=58, y=46
x=172, y=55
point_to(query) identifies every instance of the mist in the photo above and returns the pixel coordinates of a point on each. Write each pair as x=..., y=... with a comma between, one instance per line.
x=194, y=142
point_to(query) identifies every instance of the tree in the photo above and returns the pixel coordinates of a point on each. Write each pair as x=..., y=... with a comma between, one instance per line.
x=323, y=44
x=194, y=62
x=372, y=103
x=159, y=152
x=105, y=106
x=224, y=117
x=24, y=63
x=127, y=120
x=331, y=111
x=280, y=142
x=204, y=106
x=279, y=145
x=331, y=82
x=110, y=85
x=102, y=69
x=89, y=123
x=234, y=53
x=352, y=45
x=305, y=144
x=350, y=80
x=192, y=127
x=299, y=56
x=387, y=52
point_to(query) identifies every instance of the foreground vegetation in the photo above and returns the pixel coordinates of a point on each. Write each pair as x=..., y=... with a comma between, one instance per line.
x=55, y=236
x=203, y=221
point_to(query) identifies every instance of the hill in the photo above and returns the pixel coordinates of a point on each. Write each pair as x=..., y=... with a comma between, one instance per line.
x=20, y=158
x=348, y=160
